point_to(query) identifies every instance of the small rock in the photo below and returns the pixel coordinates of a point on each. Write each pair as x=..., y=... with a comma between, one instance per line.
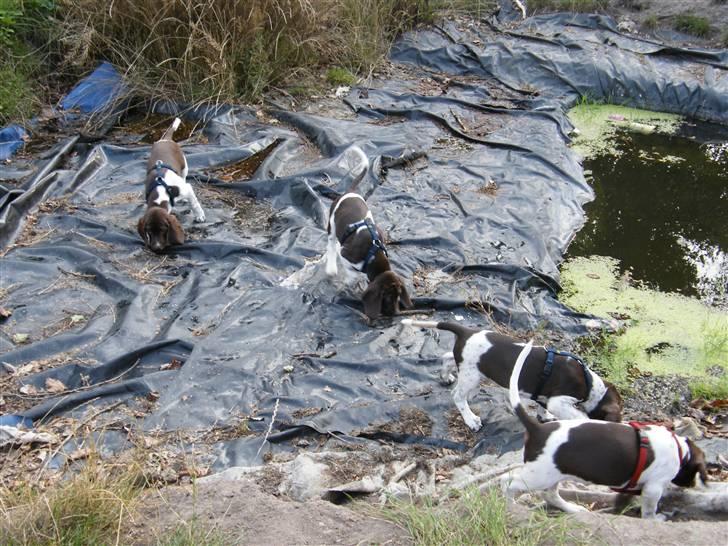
x=288, y=369
x=689, y=428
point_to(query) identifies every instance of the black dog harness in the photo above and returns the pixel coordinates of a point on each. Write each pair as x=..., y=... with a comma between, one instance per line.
x=549, y=367
x=377, y=243
x=159, y=181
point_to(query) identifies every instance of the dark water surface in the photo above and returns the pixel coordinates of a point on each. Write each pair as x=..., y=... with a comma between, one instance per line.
x=661, y=208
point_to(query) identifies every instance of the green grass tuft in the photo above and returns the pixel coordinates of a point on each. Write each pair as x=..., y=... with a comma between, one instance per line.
x=692, y=24
x=340, y=76
x=476, y=518
x=194, y=533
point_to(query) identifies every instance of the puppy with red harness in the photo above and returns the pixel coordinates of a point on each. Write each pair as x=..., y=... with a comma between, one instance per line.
x=166, y=183
x=355, y=237
x=635, y=458
x=558, y=381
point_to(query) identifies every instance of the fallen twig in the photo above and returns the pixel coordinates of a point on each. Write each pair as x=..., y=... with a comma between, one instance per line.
x=270, y=427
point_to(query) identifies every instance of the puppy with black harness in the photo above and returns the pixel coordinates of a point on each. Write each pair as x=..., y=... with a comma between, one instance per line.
x=638, y=458
x=166, y=183
x=354, y=236
x=560, y=382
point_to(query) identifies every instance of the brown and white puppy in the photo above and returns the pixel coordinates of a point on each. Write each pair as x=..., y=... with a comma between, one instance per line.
x=165, y=183
x=571, y=391
x=354, y=236
x=599, y=452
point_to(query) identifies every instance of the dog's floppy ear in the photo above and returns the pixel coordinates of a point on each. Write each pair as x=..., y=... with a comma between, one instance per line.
x=140, y=228
x=175, y=234
x=697, y=457
x=404, y=298
x=372, y=299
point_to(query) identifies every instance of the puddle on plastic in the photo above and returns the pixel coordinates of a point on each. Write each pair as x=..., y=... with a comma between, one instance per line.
x=661, y=209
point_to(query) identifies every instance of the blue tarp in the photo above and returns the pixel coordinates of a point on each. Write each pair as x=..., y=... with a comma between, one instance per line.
x=11, y=140
x=96, y=91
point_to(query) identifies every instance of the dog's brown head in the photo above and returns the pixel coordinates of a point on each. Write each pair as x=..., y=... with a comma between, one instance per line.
x=384, y=295
x=609, y=407
x=694, y=464
x=160, y=229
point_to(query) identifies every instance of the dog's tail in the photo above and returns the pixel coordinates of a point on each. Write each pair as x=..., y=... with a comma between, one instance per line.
x=453, y=327
x=528, y=421
x=363, y=165
x=171, y=129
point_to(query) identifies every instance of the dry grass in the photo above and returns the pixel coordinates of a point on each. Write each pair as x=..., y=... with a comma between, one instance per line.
x=86, y=509
x=209, y=51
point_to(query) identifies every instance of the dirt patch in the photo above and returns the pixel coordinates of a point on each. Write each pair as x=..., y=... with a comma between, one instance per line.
x=306, y=412
x=245, y=514
x=249, y=215
x=412, y=420
x=457, y=430
x=245, y=168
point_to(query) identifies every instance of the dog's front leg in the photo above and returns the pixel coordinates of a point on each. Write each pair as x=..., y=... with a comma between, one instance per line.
x=651, y=494
x=331, y=252
x=564, y=407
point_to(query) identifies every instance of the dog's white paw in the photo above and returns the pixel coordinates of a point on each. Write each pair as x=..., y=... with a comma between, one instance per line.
x=474, y=423
x=448, y=379
x=201, y=218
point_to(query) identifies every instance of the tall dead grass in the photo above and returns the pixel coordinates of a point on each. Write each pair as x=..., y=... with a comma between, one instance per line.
x=208, y=51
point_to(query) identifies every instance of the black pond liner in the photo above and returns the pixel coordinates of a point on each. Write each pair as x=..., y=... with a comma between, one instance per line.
x=215, y=304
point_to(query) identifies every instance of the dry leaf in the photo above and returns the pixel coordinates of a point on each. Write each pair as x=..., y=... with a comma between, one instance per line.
x=20, y=338
x=30, y=390
x=54, y=386
x=174, y=364
x=5, y=313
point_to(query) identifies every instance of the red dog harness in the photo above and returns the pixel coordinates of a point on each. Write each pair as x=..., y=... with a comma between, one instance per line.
x=644, y=442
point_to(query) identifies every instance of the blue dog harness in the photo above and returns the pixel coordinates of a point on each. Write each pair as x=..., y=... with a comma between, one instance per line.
x=549, y=366
x=159, y=181
x=377, y=243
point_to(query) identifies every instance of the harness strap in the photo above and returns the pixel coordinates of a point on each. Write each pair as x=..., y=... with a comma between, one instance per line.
x=679, y=448
x=545, y=373
x=644, y=443
x=159, y=181
x=159, y=165
x=376, y=245
x=548, y=368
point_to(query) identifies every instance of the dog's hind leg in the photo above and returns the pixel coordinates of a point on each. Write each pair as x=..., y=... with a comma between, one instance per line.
x=448, y=364
x=552, y=497
x=564, y=407
x=467, y=385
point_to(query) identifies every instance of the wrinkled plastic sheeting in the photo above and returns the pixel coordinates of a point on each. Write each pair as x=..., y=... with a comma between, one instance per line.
x=301, y=357
x=97, y=91
x=569, y=56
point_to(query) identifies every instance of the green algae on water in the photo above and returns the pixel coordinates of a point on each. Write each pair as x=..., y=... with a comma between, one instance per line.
x=665, y=333
x=598, y=124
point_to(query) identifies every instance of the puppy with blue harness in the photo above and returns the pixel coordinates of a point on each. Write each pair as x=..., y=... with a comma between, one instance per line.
x=353, y=235
x=558, y=381
x=166, y=182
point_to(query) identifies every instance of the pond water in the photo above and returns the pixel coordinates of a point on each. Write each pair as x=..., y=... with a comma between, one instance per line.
x=661, y=209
